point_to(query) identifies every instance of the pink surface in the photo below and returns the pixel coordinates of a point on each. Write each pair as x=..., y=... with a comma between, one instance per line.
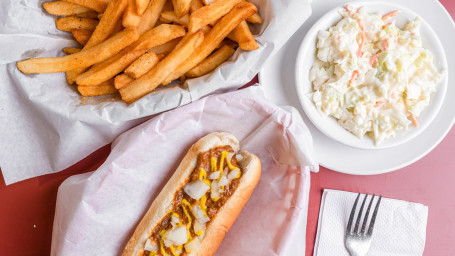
x=27, y=207
x=430, y=181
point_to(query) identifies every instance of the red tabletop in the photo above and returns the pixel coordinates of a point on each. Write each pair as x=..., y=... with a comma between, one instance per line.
x=27, y=207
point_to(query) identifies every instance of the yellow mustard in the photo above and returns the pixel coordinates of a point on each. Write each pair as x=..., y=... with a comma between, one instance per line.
x=207, y=182
x=202, y=174
x=199, y=233
x=213, y=164
x=231, y=167
x=190, y=238
x=162, y=247
x=185, y=202
x=173, y=251
x=203, y=202
x=223, y=156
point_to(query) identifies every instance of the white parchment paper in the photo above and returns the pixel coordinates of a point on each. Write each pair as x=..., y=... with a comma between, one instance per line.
x=399, y=229
x=43, y=126
x=97, y=212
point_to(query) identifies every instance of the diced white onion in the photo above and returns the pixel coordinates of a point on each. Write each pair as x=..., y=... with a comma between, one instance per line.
x=200, y=214
x=198, y=227
x=239, y=157
x=176, y=236
x=196, y=189
x=175, y=220
x=192, y=246
x=214, y=175
x=150, y=246
x=215, y=190
x=223, y=181
x=233, y=173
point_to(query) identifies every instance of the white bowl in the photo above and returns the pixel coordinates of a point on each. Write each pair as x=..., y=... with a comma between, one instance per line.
x=328, y=125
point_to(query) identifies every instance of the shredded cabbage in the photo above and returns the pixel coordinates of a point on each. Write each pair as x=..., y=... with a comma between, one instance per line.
x=372, y=76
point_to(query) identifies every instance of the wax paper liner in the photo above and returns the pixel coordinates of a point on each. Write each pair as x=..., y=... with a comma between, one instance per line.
x=97, y=212
x=45, y=128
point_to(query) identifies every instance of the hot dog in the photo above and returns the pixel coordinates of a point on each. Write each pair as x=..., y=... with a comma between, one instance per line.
x=200, y=202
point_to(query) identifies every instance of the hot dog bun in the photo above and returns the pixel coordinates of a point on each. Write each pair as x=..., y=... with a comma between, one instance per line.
x=220, y=224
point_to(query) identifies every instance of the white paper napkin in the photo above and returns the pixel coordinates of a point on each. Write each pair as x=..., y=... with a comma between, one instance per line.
x=97, y=212
x=399, y=230
x=43, y=126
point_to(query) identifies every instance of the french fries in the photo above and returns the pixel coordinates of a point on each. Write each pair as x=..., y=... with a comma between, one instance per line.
x=89, y=14
x=150, y=16
x=73, y=22
x=72, y=74
x=104, y=88
x=69, y=50
x=142, y=65
x=210, y=13
x=96, y=5
x=129, y=48
x=82, y=59
x=181, y=7
x=148, y=82
x=170, y=16
x=255, y=18
x=141, y=6
x=81, y=35
x=212, y=62
x=118, y=27
x=111, y=67
x=122, y=80
x=108, y=22
x=229, y=43
x=62, y=8
x=207, y=2
x=239, y=13
x=244, y=37
x=166, y=48
x=196, y=4
x=131, y=18
x=159, y=35
x=168, y=6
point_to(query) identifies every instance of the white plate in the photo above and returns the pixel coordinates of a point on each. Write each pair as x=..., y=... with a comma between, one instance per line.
x=278, y=80
x=329, y=125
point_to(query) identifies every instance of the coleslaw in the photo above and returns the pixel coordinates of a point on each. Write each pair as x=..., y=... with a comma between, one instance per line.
x=372, y=76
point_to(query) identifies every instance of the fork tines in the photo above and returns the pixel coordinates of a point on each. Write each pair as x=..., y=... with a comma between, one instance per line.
x=356, y=230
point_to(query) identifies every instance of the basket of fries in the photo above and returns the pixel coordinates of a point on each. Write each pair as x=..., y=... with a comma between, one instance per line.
x=132, y=47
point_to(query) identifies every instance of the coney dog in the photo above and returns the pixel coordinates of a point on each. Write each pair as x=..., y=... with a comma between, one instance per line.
x=200, y=202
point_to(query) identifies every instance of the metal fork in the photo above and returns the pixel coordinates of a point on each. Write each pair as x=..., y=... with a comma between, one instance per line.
x=357, y=241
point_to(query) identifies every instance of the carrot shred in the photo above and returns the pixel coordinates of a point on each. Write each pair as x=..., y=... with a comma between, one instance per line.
x=373, y=59
x=350, y=9
x=379, y=104
x=361, y=24
x=362, y=37
x=414, y=120
x=354, y=76
x=361, y=45
x=390, y=15
x=385, y=44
